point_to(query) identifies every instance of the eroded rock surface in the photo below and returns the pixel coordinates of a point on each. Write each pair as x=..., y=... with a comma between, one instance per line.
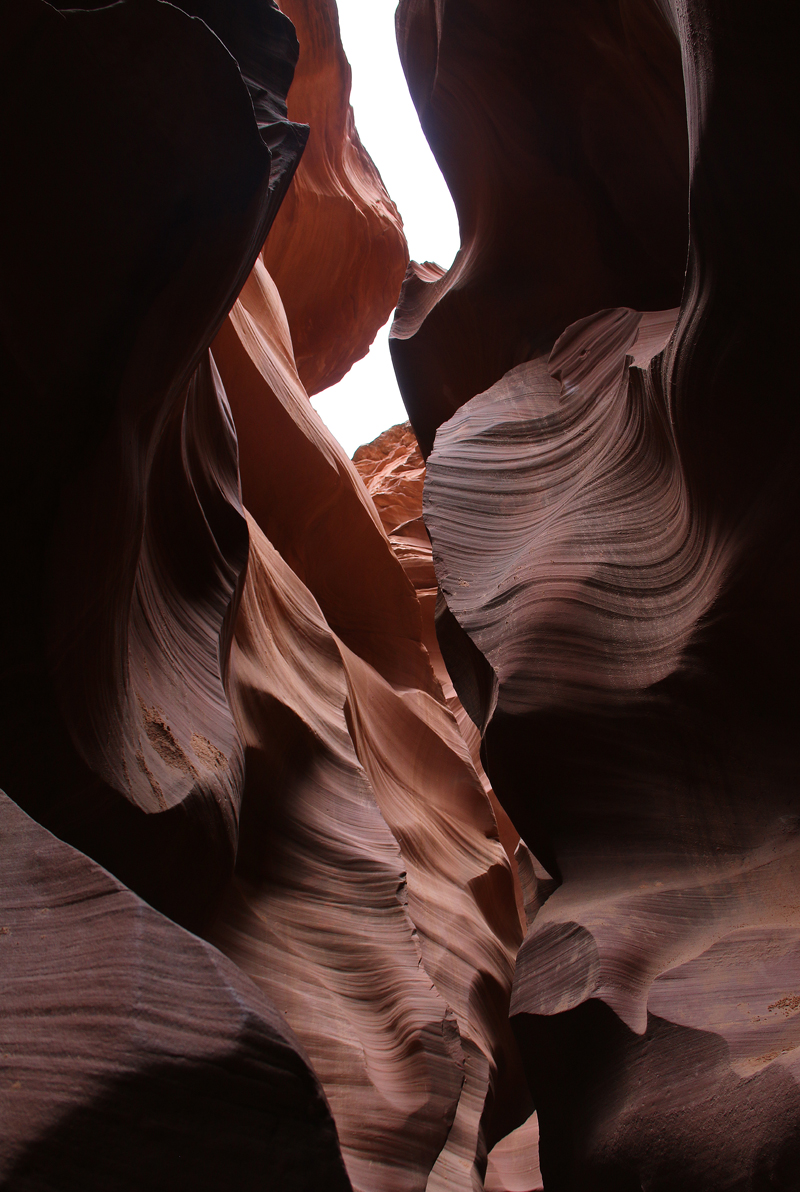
x=119, y=456
x=394, y=472
x=126, y=1040
x=212, y=653
x=373, y=899
x=615, y=551
x=273, y=695
x=561, y=134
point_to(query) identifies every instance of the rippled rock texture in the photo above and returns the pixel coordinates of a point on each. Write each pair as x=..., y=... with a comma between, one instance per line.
x=261, y=912
x=119, y=468
x=394, y=471
x=220, y=712
x=126, y=1040
x=611, y=496
x=372, y=899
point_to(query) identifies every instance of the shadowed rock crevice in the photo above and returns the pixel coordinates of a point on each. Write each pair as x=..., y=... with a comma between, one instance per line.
x=564, y=146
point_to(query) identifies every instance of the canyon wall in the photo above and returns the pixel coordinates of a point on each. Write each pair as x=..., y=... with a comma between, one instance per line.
x=425, y=822
x=610, y=496
x=221, y=713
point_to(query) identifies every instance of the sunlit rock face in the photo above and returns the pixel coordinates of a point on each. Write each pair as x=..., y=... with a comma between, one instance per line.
x=373, y=900
x=220, y=710
x=393, y=471
x=338, y=254
x=611, y=497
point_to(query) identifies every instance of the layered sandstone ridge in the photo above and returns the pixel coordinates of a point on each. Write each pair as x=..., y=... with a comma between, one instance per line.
x=372, y=900
x=273, y=719
x=219, y=692
x=610, y=499
x=394, y=472
x=119, y=455
x=576, y=118
x=122, y=1108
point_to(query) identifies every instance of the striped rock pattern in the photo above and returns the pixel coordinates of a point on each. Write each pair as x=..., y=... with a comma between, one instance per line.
x=611, y=499
x=218, y=688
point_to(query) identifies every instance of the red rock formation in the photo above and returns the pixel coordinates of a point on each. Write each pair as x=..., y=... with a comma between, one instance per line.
x=221, y=673
x=372, y=892
x=119, y=457
x=611, y=510
x=125, y=1039
x=127, y=1042
x=164, y=729
x=513, y=1164
x=338, y=254
x=394, y=471
x=562, y=137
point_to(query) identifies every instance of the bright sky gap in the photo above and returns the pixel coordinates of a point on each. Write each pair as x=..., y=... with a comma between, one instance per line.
x=367, y=401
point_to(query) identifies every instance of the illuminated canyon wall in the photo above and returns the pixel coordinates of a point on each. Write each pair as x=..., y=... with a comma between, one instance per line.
x=611, y=492
x=409, y=822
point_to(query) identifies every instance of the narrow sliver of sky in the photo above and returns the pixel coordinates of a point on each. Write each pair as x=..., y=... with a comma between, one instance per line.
x=367, y=401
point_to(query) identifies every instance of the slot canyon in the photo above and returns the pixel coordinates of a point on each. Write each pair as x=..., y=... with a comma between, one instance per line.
x=426, y=821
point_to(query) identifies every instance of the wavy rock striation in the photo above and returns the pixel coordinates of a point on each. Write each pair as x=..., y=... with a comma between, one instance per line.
x=318, y=913
x=372, y=900
x=224, y=643
x=192, y=686
x=108, y=1081
x=394, y=471
x=119, y=456
x=611, y=510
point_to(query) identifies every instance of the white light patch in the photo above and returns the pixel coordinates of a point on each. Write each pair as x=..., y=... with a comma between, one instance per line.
x=367, y=400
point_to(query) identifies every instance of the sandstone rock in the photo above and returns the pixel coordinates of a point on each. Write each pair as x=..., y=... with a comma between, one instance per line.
x=133, y=1054
x=373, y=899
x=561, y=133
x=240, y=675
x=513, y=1164
x=393, y=471
x=127, y=235
x=615, y=552
x=338, y=254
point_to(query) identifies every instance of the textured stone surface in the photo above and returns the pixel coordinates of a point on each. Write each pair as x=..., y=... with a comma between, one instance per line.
x=224, y=643
x=373, y=899
x=561, y=133
x=371, y=895
x=119, y=464
x=611, y=505
x=132, y=1054
x=513, y=1164
x=393, y=471
x=160, y=728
